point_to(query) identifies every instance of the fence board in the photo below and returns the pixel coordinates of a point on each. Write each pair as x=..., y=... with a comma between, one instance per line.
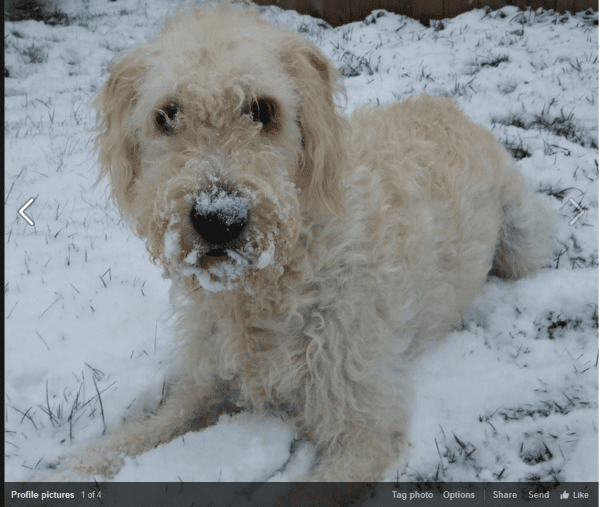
x=339, y=12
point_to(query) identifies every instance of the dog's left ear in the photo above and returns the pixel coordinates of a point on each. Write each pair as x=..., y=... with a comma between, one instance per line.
x=323, y=129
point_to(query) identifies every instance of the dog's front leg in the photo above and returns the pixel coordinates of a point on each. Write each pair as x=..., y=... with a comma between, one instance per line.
x=357, y=413
x=189, y=406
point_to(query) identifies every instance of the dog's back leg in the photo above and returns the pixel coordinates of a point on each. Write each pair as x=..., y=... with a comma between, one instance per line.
x=526, y=230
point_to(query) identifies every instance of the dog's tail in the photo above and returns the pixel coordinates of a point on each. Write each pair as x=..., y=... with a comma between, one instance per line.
x=526, y=232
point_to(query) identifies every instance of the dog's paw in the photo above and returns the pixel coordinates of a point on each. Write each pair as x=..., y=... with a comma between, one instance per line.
x=84, y=466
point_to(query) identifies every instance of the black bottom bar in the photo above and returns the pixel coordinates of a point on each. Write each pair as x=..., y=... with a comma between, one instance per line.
x=434, y=494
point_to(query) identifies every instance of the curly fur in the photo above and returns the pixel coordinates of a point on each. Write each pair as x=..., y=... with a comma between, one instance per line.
x=366, y=238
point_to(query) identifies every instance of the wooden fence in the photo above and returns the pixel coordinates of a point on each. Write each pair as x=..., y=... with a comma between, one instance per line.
x=340, y=12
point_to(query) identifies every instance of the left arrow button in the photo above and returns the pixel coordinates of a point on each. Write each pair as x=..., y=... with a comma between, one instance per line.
x=23, y=208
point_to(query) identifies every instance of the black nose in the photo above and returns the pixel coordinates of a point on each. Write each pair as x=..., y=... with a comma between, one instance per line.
x=219, y=216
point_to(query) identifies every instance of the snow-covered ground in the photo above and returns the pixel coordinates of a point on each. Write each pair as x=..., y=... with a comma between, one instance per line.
x=513, y=395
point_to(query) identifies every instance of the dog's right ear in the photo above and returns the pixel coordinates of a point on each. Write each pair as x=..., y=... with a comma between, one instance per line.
x=116, y=143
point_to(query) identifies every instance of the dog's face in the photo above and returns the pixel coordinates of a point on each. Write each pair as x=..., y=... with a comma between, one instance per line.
x=216, y=137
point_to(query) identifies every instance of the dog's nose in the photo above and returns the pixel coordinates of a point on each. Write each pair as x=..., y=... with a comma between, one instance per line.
x=219, y=216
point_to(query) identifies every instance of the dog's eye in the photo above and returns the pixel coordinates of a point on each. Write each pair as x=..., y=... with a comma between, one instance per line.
x=166, y=118
x=262, y=111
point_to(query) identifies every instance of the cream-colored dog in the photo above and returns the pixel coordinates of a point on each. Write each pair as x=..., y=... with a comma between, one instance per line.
x=310, y=256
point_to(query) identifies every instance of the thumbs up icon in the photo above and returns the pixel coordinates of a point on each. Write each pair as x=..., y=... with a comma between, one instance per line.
x=564, y=496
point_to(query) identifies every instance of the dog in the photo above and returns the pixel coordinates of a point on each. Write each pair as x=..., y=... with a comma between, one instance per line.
x=312, y=256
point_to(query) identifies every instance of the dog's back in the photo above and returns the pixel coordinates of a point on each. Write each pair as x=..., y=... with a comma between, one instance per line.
x=449, y=178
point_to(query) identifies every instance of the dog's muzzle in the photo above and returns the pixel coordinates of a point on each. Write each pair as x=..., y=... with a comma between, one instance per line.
x=227, y=243
x=222, y=234
x=219, y=215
